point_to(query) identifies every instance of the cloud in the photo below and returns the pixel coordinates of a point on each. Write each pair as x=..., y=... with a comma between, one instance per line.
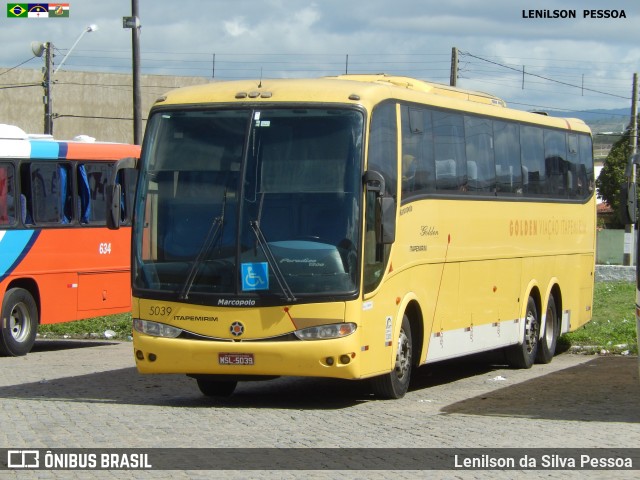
x=235, y=27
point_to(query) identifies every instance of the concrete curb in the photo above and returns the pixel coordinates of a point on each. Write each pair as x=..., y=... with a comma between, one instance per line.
x=615, y=273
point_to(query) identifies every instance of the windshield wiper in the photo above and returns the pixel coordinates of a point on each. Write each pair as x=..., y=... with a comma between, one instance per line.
x=271, y=260
x=210, y=240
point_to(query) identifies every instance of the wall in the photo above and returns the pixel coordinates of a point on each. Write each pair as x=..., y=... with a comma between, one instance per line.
x=610, y=247
x=90, y=103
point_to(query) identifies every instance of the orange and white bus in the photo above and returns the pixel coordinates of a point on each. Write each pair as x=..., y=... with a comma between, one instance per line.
x=58, y=261
x=355, y=227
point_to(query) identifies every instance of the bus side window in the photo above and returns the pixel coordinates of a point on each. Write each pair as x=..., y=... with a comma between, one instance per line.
x=92, y=184
x=84, y=195
x=418, y=168
x=532, y=154
x=556, y=164
x=383, y=147
x=585, y=183
x=480, y=154
x=509, y=171
x=51, y=193
x=7, y=195
x=449, y=148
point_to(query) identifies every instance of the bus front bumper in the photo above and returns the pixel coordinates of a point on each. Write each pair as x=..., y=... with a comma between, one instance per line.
x=334, y=358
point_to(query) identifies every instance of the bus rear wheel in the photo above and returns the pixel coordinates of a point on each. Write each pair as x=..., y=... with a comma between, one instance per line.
x=547, y=345
x=19, y=323
x=396, y=383
x=524, y=355
x=216, y=388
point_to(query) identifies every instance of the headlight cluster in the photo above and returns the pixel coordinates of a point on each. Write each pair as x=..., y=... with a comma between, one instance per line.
x=155, y=329
x=324, y=332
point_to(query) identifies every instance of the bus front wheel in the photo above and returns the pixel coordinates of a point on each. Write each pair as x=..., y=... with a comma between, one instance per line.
x=523, y=355
x=216, y=388
x=19, y=323
x=396, y=383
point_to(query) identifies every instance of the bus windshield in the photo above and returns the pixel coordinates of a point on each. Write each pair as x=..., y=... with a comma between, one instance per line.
x=247, y=202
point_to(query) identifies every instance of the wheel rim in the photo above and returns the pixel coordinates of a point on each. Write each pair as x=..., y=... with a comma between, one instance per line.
x=531, y=333
x=403, y=357
x=549, y=328
x=19, y=323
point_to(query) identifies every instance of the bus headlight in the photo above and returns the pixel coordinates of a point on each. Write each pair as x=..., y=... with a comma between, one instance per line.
x=323, y=332
x=155, y=329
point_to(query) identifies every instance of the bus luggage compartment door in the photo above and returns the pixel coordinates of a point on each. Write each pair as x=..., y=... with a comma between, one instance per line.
x=100, y=291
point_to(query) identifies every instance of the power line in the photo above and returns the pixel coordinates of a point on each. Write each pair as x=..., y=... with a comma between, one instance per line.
x=19, y=65
x=523, y=72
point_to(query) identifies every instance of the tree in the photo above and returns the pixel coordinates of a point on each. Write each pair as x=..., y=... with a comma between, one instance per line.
x=612, y=175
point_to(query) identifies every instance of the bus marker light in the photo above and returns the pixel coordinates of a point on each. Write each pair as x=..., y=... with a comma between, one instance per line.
x=345, y=359
x=152, y=357
x=139, y=355
x=329, y=361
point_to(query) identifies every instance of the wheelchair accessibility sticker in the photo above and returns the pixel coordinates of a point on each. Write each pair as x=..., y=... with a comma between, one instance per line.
x=255, y=276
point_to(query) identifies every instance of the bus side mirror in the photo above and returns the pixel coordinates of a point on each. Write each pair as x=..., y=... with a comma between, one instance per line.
x=114, y=193
x=387, y=230
x=385, y=207
x=628, y=203
x=628, y=194
x=114, y=209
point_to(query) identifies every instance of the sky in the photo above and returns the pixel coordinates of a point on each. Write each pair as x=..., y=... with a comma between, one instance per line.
x=567, y=64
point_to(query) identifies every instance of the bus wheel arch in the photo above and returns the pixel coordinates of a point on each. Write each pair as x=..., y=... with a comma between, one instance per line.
x=414, y=313
x=20, y=319
x=550, y=326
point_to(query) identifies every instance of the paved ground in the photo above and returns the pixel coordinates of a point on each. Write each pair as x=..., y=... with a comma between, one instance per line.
x=81, y=394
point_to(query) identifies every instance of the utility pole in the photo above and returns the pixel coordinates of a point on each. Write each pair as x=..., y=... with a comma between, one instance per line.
x=47, y=84
x=453, y=79
x=133, y=22
x=633, y=144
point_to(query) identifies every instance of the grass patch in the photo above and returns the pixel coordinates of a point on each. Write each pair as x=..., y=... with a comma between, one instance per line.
x=96, y=327
x=613, y=327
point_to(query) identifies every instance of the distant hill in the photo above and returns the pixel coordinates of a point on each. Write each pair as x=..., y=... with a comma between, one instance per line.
x=600, y=121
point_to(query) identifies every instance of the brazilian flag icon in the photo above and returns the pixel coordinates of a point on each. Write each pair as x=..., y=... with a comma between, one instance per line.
x=17, y=10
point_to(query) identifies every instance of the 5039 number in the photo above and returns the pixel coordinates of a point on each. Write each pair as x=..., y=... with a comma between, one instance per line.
x=155, y=310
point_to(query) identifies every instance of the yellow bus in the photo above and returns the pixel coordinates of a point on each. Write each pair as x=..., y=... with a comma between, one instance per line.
x=355, y=227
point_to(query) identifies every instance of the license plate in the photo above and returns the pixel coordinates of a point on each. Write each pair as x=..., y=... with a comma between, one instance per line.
x=235, y=359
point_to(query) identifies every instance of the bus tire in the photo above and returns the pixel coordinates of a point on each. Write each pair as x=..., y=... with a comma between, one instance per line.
x=19, y=323
x=216, y=388
x=396, y=383
x=523, y=355
x=549, y=338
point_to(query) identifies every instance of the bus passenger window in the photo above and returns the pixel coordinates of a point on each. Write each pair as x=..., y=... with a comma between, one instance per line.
x=92, y=180
x=532, y=152
x=480, y=154
x=556, y=165
x=417, y=152
x=51, y=193
x=449, y=148
x=7, y=195
x=509, y=171
x=585, y=183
